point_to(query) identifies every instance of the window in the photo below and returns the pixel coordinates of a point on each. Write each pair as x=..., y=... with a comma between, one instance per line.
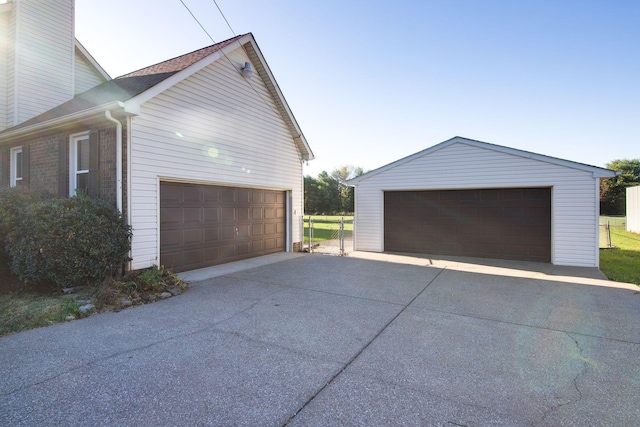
x=83, y=163
x=16, y=166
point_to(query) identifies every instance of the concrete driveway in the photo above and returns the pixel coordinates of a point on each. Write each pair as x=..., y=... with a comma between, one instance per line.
x=364, y=340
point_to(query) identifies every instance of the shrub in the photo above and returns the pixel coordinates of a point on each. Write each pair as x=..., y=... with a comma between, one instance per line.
x=68, y=242
x=13, y=204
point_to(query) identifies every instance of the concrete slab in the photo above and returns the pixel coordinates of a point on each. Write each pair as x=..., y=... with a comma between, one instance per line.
x=233, y=267
x=323, y=340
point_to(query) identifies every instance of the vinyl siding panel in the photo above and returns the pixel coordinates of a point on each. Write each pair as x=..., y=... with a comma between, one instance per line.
x=44, y=66
x=5, y=20
x=633, y=209
x=211, y=128
x=462, y=166
x=86, y=76
x=11, y=67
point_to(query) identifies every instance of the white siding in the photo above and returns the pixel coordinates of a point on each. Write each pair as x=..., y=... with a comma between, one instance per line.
x=459, y=166
x=44, y=64
x=4, y=69
x=86, y=76
x=210, y=128
x=633, y=209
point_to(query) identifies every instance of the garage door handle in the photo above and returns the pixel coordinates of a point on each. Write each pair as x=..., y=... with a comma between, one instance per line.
x=236, y=231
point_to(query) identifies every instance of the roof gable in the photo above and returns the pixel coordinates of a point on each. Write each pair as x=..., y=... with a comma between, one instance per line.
x=596, y=171
x=131, y=90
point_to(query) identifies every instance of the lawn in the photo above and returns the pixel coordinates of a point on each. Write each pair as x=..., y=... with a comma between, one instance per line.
x=25, y=307
x=326, y=227
x=622, y=264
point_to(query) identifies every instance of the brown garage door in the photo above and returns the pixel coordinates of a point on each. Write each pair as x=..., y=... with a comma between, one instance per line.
x=512, y=223
x=205, y=225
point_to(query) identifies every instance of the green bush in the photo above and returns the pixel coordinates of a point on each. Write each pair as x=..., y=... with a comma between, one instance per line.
x=13, y=204
x=68, y=242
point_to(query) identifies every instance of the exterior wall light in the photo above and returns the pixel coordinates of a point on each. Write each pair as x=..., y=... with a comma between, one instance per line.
x=246, y=71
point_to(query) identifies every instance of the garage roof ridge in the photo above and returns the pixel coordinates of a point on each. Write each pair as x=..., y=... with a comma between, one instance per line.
x=597, y=171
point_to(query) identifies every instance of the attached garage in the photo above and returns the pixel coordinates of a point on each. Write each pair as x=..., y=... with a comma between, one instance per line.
x=470, y=198
x=206, y=225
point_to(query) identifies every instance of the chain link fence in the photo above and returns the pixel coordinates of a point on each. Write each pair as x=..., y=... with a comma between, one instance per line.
x=331, y=235
x=606, y=224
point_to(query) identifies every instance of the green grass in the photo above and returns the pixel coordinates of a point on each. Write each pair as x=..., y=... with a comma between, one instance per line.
x=622, y=264
x=326, y=227
x=28, y=311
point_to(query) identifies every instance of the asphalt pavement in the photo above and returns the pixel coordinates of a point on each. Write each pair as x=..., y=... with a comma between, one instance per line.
x=369, y=339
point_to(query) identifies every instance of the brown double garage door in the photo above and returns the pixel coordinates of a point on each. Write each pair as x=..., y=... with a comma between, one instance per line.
x=205, y=225
x=513, y=223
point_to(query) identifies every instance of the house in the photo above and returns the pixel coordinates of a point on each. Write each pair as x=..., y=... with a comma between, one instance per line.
x=201, y=152
x=469, y=198
x=633, y=209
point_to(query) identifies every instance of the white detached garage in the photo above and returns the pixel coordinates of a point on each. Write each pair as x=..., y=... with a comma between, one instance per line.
x=470, y=198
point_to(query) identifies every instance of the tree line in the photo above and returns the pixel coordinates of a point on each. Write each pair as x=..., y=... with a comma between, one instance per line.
x=328, y=193
x=613, y=191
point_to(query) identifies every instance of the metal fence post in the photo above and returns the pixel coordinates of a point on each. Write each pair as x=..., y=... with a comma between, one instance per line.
x=342, y=236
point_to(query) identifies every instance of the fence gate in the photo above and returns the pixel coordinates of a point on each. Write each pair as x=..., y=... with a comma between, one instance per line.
x=328, y=235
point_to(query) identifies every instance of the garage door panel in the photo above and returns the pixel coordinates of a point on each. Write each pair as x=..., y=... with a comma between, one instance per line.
x=496, y=223
x=244, y=248
x=211, y=215
x=192, y=257
x=210, y=195
x=171, y=237
x=212, y=234
x=191, y=237
x=191, y=215
x=228, y=214
x=243, y=230
x=171, y=216
x=243, y=214
x=207, y=225
x=228, y=232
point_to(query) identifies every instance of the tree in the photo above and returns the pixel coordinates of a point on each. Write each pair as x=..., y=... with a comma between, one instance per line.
x=329, y=193
x=613, y=190
x=342, y=175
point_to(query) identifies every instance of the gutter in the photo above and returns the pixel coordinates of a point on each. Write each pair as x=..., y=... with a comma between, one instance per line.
x=109, y=117
x=46, y=125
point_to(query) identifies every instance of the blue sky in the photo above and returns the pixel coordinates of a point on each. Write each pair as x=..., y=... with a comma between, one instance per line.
x=374, y=81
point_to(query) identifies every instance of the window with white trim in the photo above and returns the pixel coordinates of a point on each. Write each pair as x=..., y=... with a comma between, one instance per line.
x=79, y=163
x=15, y=167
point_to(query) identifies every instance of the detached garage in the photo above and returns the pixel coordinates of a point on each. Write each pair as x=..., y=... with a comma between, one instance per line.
x=470, y=198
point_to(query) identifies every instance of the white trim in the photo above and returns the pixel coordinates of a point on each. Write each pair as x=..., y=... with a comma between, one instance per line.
x=597, y=171
x=13, y=165
x=158, y=183
x=553, y=224
x=597, y=210
x=288, y=245
x=73, y=156
x=91, y=59
x=229, y=184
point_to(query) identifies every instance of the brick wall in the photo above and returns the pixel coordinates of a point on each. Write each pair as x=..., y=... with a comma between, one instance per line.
x=43, y=163
x=44, y=152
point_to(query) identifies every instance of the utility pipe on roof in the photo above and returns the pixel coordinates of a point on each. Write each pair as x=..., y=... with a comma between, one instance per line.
x=109, y=117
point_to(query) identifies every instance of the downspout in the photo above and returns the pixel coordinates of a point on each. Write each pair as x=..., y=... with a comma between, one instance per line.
x=109, y=117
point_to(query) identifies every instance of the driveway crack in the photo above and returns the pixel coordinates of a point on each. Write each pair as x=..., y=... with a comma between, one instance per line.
x=364, y=347
x=584, y=361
